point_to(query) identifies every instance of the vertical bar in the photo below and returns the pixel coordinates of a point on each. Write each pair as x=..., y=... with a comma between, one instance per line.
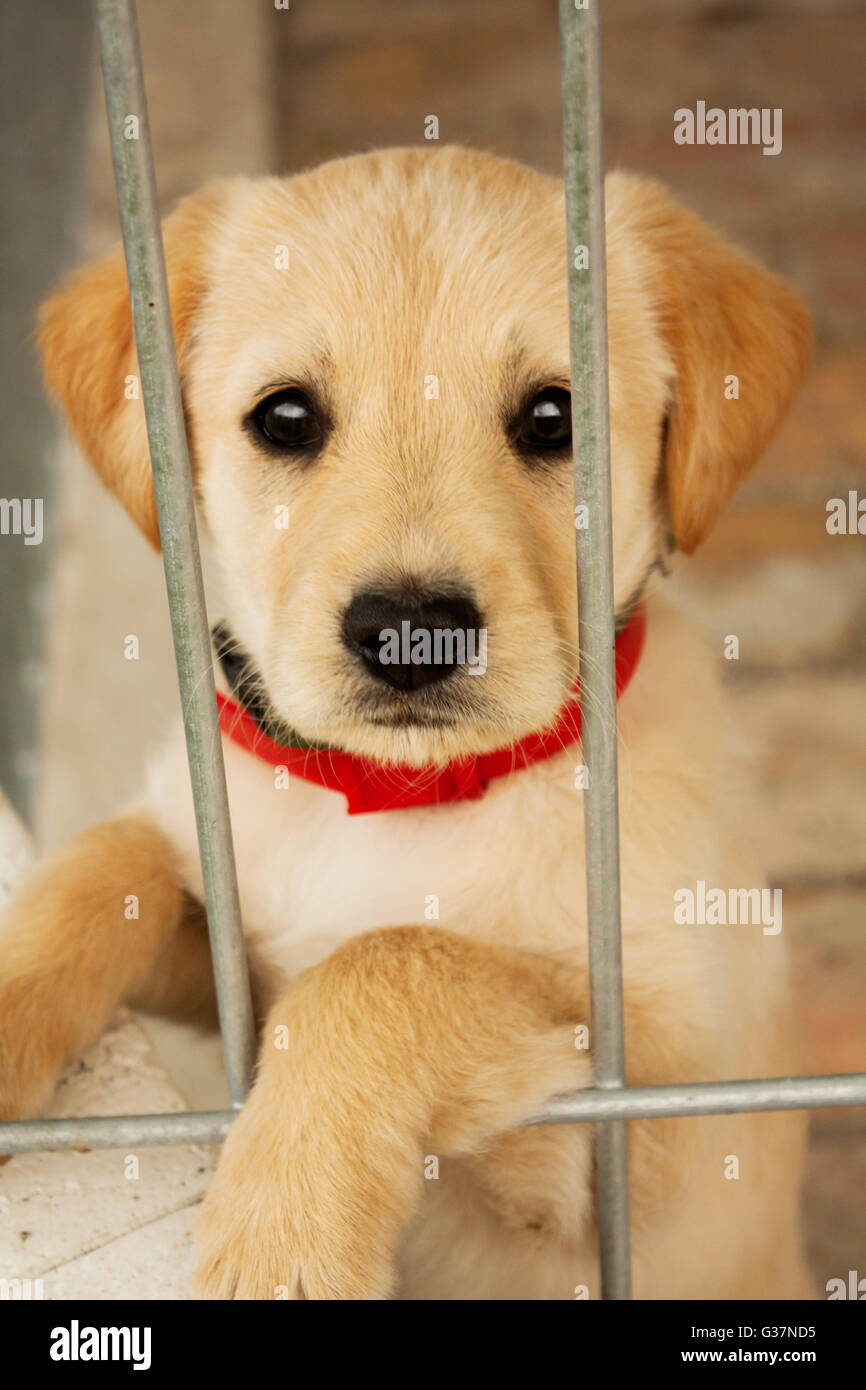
x=151, y=313
x=580, y=23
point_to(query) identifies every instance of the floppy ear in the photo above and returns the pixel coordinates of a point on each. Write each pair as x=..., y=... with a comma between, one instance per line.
x=88, y=351
x=723, y=316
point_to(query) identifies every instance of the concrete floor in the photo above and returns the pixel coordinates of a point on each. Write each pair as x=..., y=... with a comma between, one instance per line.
x=251, y=89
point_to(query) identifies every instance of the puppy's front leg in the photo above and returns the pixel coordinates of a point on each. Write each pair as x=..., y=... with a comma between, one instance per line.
x=407, y=1040
x=102, y=921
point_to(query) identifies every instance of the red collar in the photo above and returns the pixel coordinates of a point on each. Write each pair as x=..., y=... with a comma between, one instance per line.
x=370, y=786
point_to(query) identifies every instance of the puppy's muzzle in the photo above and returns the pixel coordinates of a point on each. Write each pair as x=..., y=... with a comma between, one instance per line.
x=409, y=641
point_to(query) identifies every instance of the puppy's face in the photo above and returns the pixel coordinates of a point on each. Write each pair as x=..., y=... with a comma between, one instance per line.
x=374, y=359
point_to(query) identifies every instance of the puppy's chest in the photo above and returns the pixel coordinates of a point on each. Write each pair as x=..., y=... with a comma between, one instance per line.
x=506, y=868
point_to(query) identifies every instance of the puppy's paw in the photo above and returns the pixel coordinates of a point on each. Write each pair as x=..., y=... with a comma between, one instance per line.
x=291, y=1216
x=30, y=1059
x=274, y=1255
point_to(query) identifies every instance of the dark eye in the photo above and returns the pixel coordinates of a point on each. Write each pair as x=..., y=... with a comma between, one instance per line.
x=288, y=420
x=546, y=422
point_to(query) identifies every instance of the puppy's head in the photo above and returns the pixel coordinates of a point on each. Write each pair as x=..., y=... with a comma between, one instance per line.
x=374, y=361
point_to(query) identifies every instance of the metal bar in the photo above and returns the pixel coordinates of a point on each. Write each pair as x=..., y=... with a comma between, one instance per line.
x=581, y=1107
x=117, y=1131
x=587, y=300
x=705, y=1098
x=151, y=313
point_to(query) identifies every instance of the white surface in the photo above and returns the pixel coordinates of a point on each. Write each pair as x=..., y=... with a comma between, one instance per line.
x=81, y=1222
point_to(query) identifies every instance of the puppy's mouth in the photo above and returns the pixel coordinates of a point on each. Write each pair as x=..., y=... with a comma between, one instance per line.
x=411, y=721
x=408, y=705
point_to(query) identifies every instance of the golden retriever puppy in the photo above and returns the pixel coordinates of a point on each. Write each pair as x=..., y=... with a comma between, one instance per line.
x=374, y=359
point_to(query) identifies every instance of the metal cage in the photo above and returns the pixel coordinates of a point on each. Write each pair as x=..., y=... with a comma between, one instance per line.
x=610, y=1103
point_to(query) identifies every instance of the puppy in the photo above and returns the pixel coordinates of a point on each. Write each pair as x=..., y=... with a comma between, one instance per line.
x=374, y=360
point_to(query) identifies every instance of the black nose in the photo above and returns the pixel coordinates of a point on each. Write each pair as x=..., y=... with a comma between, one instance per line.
x=409, y=641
